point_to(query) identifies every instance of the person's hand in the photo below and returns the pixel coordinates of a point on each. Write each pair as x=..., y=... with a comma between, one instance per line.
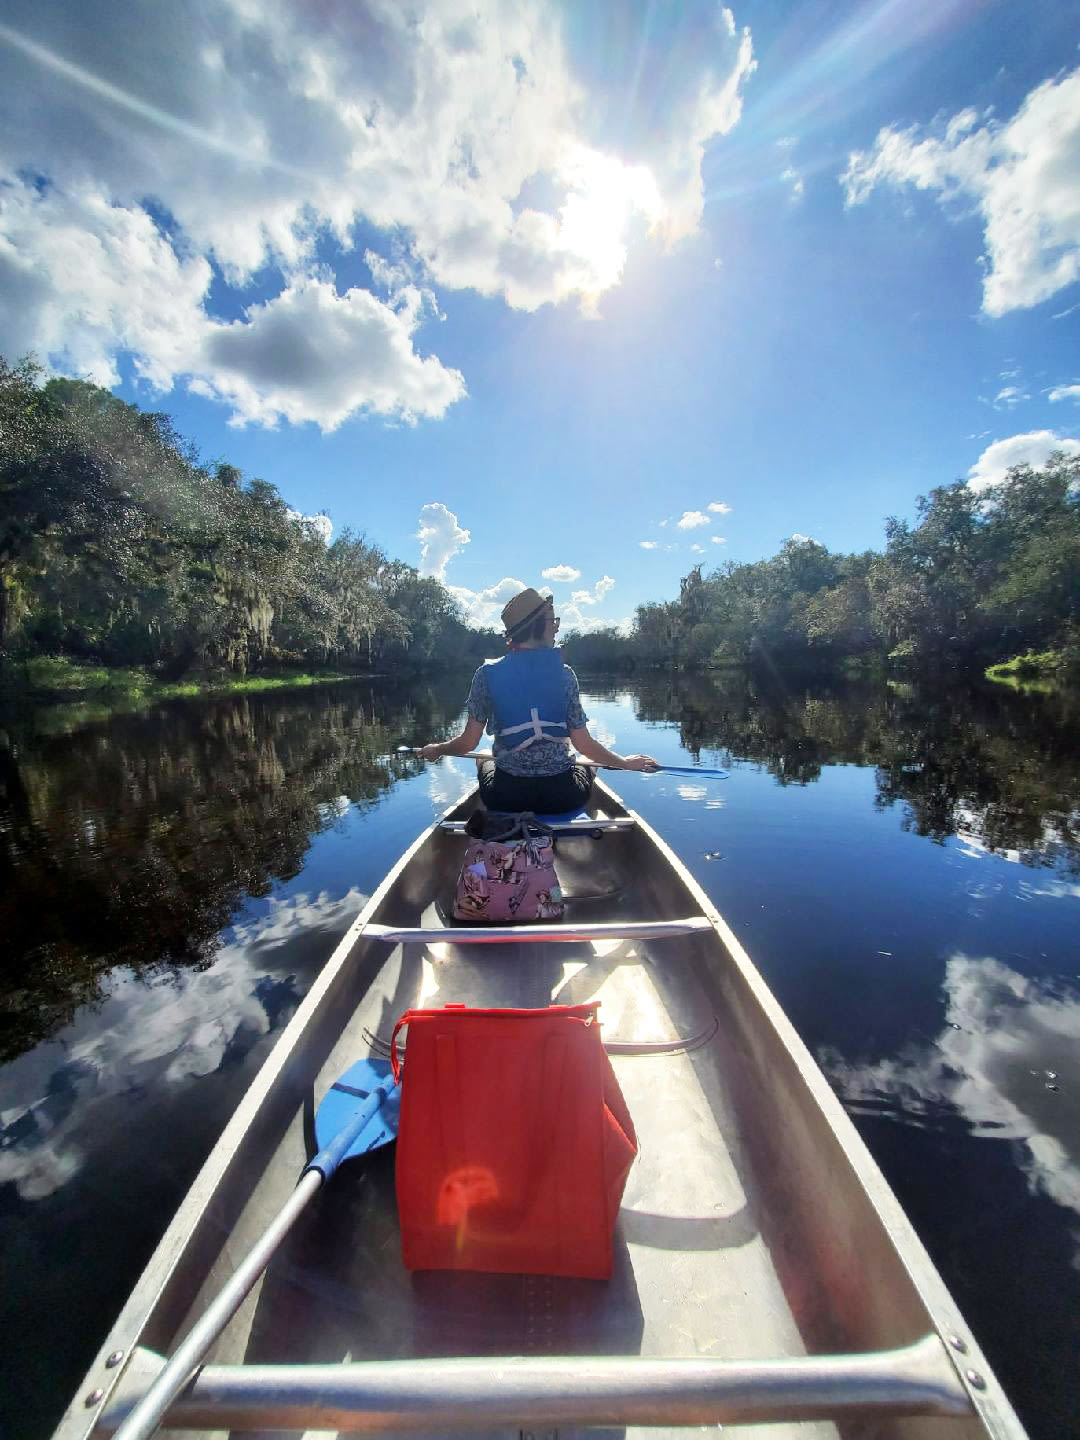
x=431, y=752
x=640, y=762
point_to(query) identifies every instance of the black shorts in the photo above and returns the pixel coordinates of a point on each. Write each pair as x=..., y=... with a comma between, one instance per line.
x=542, y=794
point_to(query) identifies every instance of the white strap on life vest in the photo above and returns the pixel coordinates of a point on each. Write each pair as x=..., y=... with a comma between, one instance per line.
x=536, y=728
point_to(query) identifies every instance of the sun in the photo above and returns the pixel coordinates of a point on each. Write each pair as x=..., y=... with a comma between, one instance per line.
x=602, y=194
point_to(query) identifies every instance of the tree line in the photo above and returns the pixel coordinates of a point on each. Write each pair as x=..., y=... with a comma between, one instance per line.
x=977, y=579
x=118, y=544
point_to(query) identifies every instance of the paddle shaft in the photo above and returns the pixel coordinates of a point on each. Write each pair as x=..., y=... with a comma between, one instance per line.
x=593, y=764
x=150, y=1410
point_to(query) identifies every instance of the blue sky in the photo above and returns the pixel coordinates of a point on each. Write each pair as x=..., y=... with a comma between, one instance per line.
x=560, y=279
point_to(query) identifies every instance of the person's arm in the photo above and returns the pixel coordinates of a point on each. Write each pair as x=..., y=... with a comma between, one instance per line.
x=459, y=745
x=585, y=745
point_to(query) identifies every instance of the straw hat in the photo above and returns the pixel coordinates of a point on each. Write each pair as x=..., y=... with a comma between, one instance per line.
x=523, y=609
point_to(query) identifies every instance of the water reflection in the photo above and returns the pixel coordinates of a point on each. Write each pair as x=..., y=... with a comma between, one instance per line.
x=134, y=843
x=171, y=883
x=157, y=1031
x=1007, y=1059
x=998, y=768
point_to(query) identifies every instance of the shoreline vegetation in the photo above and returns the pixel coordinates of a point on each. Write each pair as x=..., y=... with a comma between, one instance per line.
x=1039, y=673
x=55, y=678
x=131, y=569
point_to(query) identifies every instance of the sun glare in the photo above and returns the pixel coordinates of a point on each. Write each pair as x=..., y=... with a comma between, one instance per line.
x=602, y=196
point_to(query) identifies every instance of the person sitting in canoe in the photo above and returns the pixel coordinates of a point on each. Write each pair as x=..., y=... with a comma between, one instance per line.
x=529, y=701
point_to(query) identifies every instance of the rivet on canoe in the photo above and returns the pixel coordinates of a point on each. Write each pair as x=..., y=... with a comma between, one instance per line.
x=114, y=1359
x=95, y=1397
x=975, y=1380
x=958, y=1344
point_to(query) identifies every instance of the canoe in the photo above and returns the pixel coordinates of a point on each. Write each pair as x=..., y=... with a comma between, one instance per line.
x=764, y=1271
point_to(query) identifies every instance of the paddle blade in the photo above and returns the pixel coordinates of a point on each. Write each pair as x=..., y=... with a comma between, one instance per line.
x=346, y=1098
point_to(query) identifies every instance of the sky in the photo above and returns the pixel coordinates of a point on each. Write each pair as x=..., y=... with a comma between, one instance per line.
x=574, y=296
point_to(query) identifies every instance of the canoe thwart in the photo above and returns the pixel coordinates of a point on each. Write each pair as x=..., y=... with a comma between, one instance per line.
x=525, y=934
x=440, y=1395
x=560, y=827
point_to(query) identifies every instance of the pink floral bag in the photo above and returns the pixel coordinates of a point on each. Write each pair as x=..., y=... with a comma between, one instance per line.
x=510, y=879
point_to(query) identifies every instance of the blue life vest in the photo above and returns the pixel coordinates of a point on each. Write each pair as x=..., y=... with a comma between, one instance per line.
x=528, y=692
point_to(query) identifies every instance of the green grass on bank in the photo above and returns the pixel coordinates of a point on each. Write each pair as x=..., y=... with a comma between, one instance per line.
x=1035, y=670
x=53, y=678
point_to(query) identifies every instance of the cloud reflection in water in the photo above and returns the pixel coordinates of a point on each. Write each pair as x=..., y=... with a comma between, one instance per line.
x=157, y=1032
x=1008, y=1060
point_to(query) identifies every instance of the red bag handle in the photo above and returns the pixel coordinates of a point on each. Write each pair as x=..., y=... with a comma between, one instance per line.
x=588, y=1013
x=395, y=1061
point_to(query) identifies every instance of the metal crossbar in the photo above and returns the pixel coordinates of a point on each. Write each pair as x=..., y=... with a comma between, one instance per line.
x=441, y=1395
x=526, y=934
x=584, y=828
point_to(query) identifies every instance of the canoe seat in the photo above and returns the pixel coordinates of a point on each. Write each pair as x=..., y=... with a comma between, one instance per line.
x=524, y=934
x=576, y=823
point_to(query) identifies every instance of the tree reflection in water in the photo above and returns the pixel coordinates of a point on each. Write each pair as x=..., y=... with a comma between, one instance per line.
x=134, y=842
x=984, y=762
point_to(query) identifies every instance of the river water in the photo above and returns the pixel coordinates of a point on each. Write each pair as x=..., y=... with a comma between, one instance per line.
x=903, y=865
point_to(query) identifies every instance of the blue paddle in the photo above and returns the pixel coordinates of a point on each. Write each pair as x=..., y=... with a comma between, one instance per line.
x=358, y=1114
x=652, y=770
x=343, y=1108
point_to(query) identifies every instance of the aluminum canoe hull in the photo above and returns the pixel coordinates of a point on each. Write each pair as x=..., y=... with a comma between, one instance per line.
x=758, y=1240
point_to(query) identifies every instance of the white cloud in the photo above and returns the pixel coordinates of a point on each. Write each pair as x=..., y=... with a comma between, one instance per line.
x=648, y=544
x=476, y=136
x=312, y=354
x=576, y=621
x=1065, y=392
x=441, y=537
x=717, y=507
x=1022, y=175
x=81, y=279
x=802, y=539
x=483, y=608
x=320, y=525
x=698, y=549
x=718, y=539
x=561, y=574
x=791, y=177
x=1033, y=449
x=690, y=519
x=596, y=594
x=1009, y=396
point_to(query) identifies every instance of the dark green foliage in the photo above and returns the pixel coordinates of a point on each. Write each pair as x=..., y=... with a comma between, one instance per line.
x=979, y=578
x=118, y=545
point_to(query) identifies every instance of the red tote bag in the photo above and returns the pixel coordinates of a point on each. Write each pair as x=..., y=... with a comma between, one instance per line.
x=514, y=1142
